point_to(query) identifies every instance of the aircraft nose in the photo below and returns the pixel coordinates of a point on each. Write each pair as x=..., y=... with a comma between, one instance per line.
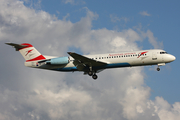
x=169, y=58
x=172, y=58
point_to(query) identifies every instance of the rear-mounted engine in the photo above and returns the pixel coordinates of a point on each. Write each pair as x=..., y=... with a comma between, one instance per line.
x=58, y=61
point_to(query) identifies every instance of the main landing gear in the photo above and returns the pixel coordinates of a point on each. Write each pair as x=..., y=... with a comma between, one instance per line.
x=92, y=73
x=94, y=76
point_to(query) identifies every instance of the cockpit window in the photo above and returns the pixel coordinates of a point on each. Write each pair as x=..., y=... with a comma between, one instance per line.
x=163, y=52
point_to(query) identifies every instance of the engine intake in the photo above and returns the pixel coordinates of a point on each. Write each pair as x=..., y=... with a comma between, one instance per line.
x=58, y=61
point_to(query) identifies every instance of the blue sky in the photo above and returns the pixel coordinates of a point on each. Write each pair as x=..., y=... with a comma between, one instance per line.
x=55, y=27
x=161, y=17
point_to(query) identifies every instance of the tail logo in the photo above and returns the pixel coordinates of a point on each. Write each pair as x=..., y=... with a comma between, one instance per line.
x=28, y=52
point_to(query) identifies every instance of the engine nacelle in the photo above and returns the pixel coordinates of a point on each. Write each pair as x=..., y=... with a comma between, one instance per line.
x=58, y=61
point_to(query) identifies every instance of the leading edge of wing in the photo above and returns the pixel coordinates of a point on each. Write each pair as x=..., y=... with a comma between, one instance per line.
x=86, y=60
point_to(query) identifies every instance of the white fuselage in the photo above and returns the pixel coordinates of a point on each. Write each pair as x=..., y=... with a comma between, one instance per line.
x=92, y=64
x=114, y=60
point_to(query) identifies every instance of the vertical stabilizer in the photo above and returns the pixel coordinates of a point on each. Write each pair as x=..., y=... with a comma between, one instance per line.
x=27, y=51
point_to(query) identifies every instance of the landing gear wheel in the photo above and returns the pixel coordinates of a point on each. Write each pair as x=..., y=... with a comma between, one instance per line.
x=158, y=69
x=94, y=76
x=90, y=73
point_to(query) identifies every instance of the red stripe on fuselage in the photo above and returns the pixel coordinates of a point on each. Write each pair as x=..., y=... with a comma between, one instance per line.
x=41, y=57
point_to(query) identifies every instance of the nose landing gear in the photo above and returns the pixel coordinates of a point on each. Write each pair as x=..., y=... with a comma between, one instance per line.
x=158, y=69
x=160, y=64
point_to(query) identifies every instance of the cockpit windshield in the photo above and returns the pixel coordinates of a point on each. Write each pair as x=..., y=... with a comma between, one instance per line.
x=163, y=52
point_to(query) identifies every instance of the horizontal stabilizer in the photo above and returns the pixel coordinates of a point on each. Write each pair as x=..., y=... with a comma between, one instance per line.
x=17, y=46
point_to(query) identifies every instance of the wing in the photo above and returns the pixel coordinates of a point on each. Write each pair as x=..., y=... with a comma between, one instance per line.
x=85, y=60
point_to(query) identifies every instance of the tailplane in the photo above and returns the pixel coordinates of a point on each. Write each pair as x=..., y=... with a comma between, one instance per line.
x=27, y=51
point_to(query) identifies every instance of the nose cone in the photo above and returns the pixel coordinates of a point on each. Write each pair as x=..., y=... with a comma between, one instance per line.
x=171, y=58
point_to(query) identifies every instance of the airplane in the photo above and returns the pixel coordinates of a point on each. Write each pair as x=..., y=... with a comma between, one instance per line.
x=92, y=64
